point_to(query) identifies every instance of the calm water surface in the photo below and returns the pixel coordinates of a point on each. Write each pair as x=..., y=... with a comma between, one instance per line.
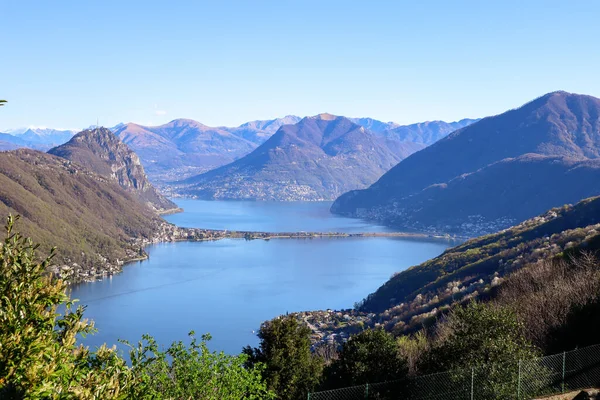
x=229, y=287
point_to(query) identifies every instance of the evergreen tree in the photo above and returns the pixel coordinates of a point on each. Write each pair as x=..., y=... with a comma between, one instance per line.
x=368, y=357
x=291, y=369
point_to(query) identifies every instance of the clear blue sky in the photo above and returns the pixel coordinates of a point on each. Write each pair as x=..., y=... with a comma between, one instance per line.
x=65, y=63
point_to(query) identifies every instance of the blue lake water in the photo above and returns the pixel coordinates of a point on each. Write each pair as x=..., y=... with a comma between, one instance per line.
x=228, y=287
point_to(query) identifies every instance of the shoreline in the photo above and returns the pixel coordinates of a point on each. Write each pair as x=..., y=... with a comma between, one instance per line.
x=170, y=233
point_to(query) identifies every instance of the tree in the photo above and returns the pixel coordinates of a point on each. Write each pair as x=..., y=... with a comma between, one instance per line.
x=489, y=342
x=291, y=370
x=412, y=348
x=39, y=356
x=368, y=357
x=2, y=102
x=478, y=334
x=192, y=372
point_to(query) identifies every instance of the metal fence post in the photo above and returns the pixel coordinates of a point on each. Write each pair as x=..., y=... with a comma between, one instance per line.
x=519, y=383
x=472, y=383
x=367, y=391
x=564, y=367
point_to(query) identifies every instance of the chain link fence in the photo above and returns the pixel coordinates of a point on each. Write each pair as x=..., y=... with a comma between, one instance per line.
x=555, y=374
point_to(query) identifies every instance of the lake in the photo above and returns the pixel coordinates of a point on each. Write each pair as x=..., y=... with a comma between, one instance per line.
x=228, y=287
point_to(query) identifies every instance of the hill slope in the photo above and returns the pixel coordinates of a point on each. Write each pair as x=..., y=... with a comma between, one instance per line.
x=94, y=223
x=419, y=295
x=557, y=124
x=100, y=151
x=316, y=159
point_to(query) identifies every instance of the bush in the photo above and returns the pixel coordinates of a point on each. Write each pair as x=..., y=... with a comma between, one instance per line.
x=39, y=356
x=193, y=372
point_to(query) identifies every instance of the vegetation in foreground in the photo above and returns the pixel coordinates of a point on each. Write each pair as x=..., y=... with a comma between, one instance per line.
x=41, y=359
x=546, y=306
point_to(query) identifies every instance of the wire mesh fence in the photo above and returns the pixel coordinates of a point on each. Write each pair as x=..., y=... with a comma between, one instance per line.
x=527, y=379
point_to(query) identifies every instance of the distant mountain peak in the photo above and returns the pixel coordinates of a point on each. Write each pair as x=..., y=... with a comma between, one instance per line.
x=186, y=122
x=325, y=117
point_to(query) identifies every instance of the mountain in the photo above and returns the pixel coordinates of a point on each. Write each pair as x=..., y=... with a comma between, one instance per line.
x=451, y=174
x=182, y=146
x=426, y=132
x=95, y=224
x=5, y=146
x=10, y=142
x=259, y=131
x=315, y=159
x=100, y=151
x=40, y=138
x=374, y=125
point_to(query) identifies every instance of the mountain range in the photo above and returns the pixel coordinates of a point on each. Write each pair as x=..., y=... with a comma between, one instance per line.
x=183, y=147
x=493, y=173
x=34, y=137
x=318, y=158
x=100, y=151
x=425, y=132
x=183, y=144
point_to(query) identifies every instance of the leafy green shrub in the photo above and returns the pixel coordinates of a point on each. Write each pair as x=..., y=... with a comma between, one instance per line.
x=39, y=356
x=193, y=372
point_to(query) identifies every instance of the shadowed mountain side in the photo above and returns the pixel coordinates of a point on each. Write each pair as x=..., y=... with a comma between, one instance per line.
x=316, y=159
x=559, y=124
x=499, y=253
x=485, y=201
x=100, y=151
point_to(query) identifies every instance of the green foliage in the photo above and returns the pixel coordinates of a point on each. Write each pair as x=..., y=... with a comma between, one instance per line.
x=291, y=368
x=412, y=348
x=2, y=102
x=193, y=372
x=39, y=357
x=490, y=339
x=481, y=333
x=368, y=357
